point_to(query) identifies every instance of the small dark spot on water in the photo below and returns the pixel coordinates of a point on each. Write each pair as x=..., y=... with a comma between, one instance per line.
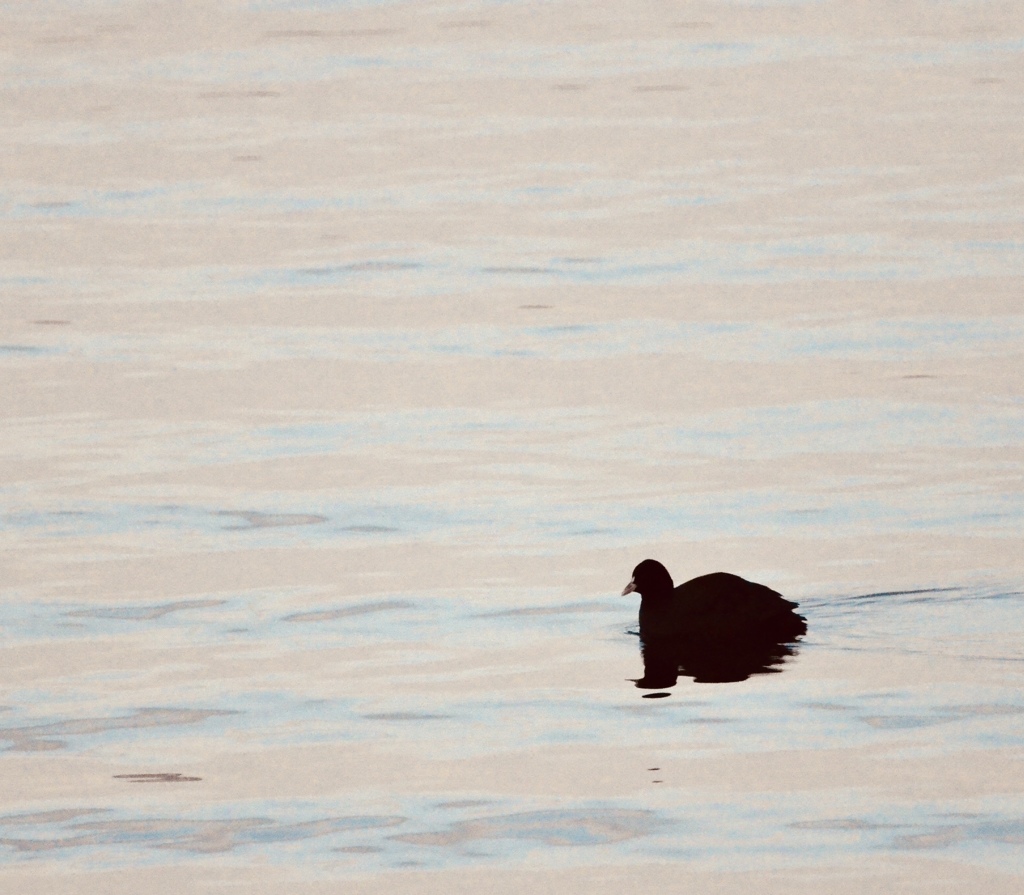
x=654, y=769
x=157, y=778
x=655, y=695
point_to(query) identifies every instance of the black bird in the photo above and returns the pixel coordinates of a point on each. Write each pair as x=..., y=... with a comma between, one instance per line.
x=716, y=605
x=718, y=627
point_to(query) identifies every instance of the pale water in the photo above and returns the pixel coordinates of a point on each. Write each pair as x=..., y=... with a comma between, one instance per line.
x=354, y=353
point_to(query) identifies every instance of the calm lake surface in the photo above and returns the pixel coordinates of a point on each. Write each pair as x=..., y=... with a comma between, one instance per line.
x=353, y=353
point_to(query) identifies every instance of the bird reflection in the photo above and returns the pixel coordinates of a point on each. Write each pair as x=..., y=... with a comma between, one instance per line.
x=718, y=628
x=711, y=661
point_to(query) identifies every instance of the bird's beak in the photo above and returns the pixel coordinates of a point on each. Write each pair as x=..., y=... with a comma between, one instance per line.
x=629, y=588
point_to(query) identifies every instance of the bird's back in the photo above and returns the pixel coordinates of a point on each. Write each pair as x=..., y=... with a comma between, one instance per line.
x=722, y=605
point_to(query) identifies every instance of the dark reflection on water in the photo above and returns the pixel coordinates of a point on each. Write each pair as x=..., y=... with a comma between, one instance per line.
x=53, y=735
x=709, y=660
x=144, y=613
x=168, y=777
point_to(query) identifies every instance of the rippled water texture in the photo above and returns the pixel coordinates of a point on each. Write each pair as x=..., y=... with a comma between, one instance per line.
x=353, y=354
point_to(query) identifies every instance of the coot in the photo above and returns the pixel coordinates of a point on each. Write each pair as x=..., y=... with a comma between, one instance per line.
x=717, y=607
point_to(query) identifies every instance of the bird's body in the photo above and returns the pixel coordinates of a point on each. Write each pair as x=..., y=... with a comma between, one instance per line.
x=718, y=607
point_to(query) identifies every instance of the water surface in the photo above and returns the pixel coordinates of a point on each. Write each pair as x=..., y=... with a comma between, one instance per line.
x=354, y=353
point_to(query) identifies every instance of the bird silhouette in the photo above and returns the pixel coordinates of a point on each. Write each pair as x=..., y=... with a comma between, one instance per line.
x=716, y=628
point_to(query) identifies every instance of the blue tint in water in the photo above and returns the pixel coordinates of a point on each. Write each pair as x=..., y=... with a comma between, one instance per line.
x=511, y=829
x=345, y=521
x=847, y=426
x=25, y=351
x=919, y=340
x=382, y=826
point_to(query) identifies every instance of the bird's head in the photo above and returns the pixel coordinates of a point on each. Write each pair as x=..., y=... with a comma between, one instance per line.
x=650, y=579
